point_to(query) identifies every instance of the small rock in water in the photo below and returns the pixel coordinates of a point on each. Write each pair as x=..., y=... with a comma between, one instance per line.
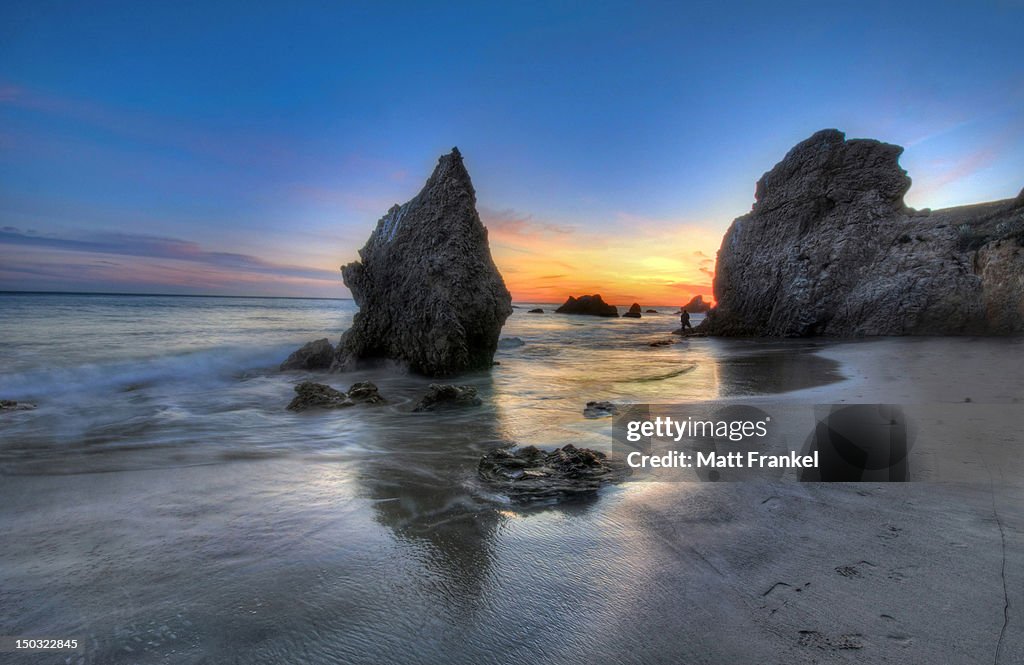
x=536, y=311
x=365, y=392
x=663, y=342
x=633, y=313
x=510, y=343
x=530, y=474
x=314, y=355
x=445, y=396
x=650, y=311
x=600, y=409
x=309, y=395
x=12, y=405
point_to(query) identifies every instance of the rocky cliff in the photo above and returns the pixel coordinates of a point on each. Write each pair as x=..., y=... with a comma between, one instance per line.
x=829, y=248
x=428, y=291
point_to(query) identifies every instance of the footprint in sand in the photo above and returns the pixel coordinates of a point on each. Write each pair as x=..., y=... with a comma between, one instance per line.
x=902, y=640
x=890, y=532
x=855, y=570
x=814, y=639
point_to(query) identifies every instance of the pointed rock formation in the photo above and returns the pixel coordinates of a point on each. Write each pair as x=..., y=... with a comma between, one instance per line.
x=829, y=248
x=428, y=291
x=634, y=312
x=591, y=305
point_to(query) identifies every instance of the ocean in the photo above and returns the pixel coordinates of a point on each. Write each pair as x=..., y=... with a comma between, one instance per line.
x=163, y=506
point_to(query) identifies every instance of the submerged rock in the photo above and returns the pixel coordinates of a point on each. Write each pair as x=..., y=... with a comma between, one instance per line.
x=13, y=405
x=697, y=305
x=428, y=291
x=830, y=248
x=365, y=393
x=590, y=305
x=634, y=312
x=665, y=342
x=313, y=355
x=309, y=395
x=536, y=311
x=510, y=343
x=599, y=409
x=443, y=396
x=530, y=474
x=651, y=311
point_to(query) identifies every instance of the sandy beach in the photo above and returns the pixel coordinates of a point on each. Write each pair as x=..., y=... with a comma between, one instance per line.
x=391, y=552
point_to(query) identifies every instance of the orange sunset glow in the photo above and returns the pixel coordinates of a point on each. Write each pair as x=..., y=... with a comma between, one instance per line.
x=652, y=262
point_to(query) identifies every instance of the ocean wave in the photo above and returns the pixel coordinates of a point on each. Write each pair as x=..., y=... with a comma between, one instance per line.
x=206, y=367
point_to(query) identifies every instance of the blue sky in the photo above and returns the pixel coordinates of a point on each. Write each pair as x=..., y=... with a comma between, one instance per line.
x=249, y=148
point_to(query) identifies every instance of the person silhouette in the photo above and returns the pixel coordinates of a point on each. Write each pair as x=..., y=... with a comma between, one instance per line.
x=684, y=321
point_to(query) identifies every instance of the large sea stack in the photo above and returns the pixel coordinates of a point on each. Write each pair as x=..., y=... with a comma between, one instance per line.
x=830, y=248
x=428, y=291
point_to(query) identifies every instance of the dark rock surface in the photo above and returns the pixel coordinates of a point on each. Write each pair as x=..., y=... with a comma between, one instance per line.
x=309, y=395
x=536, y=311
x=634, y=312
x=829, y=248
x=443, y=396
x=428, y=291
x=314, y=355
x=599, y=409
x=13, y=405
x=651, y=311
x=530, y=474
x=697, y=305
x=365, y=392
x=590, y=305
x=664, y=342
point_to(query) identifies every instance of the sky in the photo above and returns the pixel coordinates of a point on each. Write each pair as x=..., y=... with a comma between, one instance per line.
x=249, y=148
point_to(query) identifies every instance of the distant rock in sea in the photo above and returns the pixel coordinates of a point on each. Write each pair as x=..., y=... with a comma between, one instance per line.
x=314, y=355
x=442, y=397
x=590, y=305
x=830, y=248
x=536, y=311
x=428, y=291
x=634, y=312
x=650, y=311
x=697, y=305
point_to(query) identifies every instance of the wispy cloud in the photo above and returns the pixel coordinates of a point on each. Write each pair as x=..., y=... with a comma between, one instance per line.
x=511, y=224
x=127, y=261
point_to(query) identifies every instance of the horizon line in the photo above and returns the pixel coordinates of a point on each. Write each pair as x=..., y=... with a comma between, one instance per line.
x=211, y=295
x=165, y=295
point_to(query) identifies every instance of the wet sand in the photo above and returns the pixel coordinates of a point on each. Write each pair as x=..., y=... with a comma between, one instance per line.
x=918, y=572
x=392, y=555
